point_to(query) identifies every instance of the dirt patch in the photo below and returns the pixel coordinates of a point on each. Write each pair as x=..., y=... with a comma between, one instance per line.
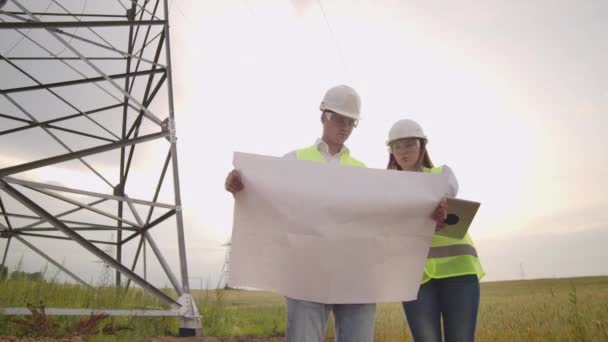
x=157, y=339
x=227, y=339
x=215, y=339
x=39, y=339
x=185, y=339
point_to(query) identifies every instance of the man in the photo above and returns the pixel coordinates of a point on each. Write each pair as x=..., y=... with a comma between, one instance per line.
x=306, y=321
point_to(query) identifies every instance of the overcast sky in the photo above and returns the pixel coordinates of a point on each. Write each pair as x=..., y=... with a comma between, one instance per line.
x=513, y=96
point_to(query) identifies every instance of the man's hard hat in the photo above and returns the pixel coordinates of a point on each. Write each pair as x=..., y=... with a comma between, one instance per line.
x=343, y=100
x=405, y=128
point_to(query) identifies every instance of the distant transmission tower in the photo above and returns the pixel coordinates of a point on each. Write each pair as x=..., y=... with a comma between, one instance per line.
x=105, y=276
x=226, y=267
x=522, y=273
x=82, y=84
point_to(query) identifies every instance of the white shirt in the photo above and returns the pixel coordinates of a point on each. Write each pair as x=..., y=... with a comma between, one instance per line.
x=324, y=150
x=452, y=181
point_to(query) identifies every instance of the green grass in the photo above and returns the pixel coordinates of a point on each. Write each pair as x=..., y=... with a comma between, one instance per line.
x=548, y=310
x=535, y=310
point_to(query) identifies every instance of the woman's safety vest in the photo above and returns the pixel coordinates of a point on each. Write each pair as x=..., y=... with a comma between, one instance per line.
x=449, y=257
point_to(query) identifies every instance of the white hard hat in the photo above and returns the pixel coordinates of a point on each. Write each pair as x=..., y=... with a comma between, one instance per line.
x=343, y=100
x=405, y=128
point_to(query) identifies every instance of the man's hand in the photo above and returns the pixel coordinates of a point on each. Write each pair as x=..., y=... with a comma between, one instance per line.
x=233, y=182
x=440, y=214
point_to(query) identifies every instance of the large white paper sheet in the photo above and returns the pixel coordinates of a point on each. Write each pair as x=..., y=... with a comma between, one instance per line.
x=329, y=233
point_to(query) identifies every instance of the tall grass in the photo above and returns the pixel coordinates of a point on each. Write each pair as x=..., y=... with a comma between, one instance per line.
x=534, y=310
x=545, y=310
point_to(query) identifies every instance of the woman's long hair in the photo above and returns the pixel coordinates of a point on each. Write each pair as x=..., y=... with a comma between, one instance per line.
x=423, y=159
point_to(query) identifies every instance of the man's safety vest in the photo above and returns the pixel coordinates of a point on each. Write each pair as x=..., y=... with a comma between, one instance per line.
x=312, y=154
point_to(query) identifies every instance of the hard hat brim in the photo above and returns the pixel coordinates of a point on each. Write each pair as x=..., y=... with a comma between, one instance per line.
x=388, y=142
x=337, y=111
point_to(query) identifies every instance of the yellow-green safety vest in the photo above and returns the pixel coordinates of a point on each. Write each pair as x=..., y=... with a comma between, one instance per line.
x=312, y=154
x=449, y=257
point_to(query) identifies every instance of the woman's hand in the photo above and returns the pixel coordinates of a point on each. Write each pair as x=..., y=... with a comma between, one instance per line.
x=440, y=214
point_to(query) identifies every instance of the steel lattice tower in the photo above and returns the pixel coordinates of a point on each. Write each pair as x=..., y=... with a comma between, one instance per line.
x=94, y=80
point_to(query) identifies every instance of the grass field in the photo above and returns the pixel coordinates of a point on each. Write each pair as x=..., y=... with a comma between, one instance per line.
x=535, y=310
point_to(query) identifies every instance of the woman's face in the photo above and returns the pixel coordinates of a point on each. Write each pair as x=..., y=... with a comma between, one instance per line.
x=406, y=152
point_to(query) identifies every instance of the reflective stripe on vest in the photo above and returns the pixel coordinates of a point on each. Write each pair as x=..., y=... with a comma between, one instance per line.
x=453, y=250
x=450, y=257
x=312, y=154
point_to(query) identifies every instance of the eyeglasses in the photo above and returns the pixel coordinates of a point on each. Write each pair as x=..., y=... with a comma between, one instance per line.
x=405, y=144
x=341, y=119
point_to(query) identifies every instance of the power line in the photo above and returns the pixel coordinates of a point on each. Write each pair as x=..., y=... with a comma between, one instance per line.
x=84, y=6
x=18, y=42
x=180, y=11
x=333, y=37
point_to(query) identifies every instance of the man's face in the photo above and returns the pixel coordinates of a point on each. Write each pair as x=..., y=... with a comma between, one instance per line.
x=337, y=128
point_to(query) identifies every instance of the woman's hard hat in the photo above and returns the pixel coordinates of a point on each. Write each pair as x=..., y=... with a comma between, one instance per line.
x=405, y=128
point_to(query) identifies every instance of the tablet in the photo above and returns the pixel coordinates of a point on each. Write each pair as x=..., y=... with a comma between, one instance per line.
x=460, y=215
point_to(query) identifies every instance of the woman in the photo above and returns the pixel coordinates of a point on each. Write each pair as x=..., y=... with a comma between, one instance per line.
x=450, y=283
